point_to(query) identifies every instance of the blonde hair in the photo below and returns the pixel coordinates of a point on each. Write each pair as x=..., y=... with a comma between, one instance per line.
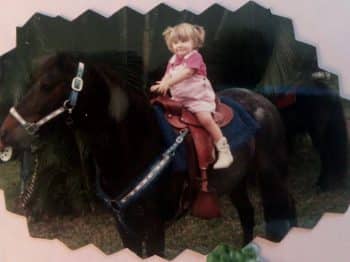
x=184, y=32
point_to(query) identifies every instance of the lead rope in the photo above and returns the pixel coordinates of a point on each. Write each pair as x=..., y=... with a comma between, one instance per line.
x=26, y=195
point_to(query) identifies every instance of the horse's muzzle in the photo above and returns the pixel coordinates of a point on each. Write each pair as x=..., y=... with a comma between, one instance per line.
x=3, y=139
x=11, y=133
x=8, y=124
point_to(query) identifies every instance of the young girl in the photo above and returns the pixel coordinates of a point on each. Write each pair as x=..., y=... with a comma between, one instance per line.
x=186, y=79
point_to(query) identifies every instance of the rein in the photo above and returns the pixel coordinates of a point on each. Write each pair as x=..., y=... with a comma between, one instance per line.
x=68, y=105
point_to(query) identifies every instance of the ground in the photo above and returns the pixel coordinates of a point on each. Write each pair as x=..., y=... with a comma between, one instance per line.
x=98, y=227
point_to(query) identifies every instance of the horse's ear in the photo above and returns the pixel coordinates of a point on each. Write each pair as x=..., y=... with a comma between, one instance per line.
x=67, y=62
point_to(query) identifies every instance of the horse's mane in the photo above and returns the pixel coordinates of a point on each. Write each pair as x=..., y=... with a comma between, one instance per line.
x=127, y=66
x=120, y=71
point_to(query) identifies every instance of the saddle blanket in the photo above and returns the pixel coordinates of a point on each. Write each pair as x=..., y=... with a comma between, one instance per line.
x=238, y=132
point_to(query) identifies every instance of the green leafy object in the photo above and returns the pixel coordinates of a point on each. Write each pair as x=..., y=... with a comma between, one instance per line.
x=213, y=257
x=225, y=253
x=238, y=257
x=232, y=254
x=251, y=251
x=222, y=249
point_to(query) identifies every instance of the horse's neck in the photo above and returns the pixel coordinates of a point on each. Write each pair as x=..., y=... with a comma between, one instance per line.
x=124, y=149
x=137, y=146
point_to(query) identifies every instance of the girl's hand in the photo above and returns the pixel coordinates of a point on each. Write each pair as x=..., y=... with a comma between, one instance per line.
x=163, y=88
x=160, y=87
x=154, y=88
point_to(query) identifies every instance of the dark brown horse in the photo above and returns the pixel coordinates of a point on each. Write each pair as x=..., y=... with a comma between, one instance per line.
x=121, y=130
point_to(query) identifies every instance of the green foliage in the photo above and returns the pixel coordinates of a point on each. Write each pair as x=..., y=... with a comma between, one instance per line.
x=225, y=253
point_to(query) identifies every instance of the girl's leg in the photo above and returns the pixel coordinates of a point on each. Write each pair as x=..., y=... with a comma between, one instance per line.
x=225, y=157
x=207, y=121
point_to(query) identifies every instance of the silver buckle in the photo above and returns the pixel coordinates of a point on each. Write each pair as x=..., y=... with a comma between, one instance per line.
x=77, y=84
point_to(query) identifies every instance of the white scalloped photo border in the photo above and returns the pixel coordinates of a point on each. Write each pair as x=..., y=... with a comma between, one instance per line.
x=322, y=23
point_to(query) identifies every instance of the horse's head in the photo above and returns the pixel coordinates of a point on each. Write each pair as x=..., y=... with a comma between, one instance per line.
x=48, y=89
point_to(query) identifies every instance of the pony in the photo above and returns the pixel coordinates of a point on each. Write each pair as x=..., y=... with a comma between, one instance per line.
x=120, y=128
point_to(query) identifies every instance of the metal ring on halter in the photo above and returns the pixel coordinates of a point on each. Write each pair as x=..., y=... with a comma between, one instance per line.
x=68, y=106
x=77, y=83
x=31, y=128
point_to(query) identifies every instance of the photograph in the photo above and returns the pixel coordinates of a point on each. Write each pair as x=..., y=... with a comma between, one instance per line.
x=211, y=131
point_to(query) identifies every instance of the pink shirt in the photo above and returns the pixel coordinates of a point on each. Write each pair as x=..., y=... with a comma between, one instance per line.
x=195, y=92
x=193, y=60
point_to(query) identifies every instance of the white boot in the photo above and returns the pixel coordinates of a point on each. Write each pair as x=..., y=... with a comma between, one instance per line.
x=225, y=157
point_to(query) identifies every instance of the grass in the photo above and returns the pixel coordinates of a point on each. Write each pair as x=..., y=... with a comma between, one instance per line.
x=9, y=182
x=203, y=236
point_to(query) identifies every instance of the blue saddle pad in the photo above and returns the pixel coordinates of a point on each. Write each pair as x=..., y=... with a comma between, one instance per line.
x=238, y=132
x=242, y=128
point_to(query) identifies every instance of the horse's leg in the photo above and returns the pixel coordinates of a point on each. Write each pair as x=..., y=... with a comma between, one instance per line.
x=155, y=238
x=323, y=180
x=279, y=206
x=279, y=209
x=130, y=238
x=239, y=198
x=331, y=144
x=143, y=231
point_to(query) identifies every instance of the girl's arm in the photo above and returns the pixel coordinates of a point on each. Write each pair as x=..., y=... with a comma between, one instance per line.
x=180, y=76
x=156, y=86
x=168, y=81
x=166, y=77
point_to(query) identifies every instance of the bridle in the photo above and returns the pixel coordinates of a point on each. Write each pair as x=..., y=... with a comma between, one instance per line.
x=68, y=105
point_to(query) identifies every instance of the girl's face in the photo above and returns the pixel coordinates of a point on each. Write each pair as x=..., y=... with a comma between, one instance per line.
x=182, y=47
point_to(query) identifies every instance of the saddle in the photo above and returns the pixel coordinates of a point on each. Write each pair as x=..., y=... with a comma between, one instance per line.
x=201, y=142
x=180, y=118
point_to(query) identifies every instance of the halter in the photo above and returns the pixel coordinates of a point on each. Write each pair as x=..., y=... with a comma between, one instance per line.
x=68, y=105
